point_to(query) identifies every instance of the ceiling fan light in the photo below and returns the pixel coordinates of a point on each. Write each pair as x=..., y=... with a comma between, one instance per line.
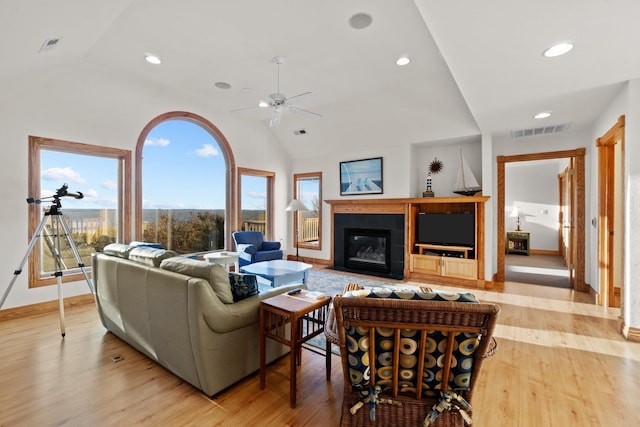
x=558, y=49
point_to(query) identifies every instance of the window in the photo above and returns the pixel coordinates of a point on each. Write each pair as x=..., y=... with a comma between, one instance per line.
x=101, y=216
x=184, y=170
x=255, y=193
x=308, y=189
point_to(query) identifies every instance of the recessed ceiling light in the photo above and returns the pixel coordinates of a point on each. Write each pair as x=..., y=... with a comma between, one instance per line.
x=152, y=59
x=558, y=50
x=542, y=115
x=403, y=60
x=222, y=85
x=263, y=104
x=360, y=21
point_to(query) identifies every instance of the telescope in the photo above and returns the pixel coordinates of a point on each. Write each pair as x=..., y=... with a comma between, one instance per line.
x=60, y=192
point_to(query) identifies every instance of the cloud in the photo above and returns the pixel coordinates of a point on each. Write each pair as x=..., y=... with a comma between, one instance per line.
x=109, y=185
x=160, y=142
x=91, y=194
x=207, y=150
x=62, y=175
x=257, y=195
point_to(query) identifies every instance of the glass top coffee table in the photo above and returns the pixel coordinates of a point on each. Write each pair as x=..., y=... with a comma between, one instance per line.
x=279, y=272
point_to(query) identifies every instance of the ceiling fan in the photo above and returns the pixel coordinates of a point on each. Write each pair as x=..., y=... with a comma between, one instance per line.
x=278, y=101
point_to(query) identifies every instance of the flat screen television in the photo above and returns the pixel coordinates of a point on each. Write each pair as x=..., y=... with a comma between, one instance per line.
x=448, y=229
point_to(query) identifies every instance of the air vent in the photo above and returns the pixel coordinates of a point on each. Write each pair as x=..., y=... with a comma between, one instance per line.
x=542, y=130
x=50, y=44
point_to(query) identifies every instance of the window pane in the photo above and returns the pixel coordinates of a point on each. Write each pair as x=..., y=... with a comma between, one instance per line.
x=308, y=189
x=184, y=188
x=253, y=202
x=92, y=220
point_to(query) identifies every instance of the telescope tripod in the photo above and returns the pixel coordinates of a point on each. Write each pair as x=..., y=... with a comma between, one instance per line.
x=52, y=236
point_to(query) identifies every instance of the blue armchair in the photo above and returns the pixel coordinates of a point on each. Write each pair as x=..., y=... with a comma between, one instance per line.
x=252, y=247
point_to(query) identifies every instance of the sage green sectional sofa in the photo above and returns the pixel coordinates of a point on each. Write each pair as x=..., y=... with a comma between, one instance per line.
x=180, y=313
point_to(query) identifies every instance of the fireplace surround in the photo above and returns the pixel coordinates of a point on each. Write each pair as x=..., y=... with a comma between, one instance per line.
x=369, y=244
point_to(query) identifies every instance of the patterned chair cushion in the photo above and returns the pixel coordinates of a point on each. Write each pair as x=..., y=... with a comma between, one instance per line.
x=357, y=344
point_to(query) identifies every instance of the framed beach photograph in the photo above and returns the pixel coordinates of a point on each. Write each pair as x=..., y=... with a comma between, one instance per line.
x=361, y=177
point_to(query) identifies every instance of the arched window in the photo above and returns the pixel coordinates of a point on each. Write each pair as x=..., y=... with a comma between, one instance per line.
x=184, y=184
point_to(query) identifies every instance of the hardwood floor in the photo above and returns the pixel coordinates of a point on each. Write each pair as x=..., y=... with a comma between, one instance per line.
x=560, y=361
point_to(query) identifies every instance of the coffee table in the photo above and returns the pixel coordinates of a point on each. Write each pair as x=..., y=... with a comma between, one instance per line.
x=306, y=313
x=279, y=272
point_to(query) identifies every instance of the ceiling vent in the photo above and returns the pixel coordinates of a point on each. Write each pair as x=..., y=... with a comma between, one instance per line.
x=50, y=44
x=542, y=130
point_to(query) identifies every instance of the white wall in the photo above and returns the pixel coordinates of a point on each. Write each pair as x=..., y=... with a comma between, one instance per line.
x=88, y=105
x=444, y=182
x=533, y=188
x=396, y=164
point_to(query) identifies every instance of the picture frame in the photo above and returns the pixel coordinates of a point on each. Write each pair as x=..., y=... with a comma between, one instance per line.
x=361, y=177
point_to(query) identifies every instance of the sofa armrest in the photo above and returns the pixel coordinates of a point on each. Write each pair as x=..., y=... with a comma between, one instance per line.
x=270, y=246
x=247, y=248
x=223, y=318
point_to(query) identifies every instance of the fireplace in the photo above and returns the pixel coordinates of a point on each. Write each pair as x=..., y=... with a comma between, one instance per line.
x=369, y=244
x=367, y=249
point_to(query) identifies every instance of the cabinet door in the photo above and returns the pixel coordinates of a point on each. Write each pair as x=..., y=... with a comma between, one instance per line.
x=425, y=264
x=459, y=267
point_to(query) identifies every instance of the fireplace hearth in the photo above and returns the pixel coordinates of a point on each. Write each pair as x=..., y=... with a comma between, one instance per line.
x=369, y=244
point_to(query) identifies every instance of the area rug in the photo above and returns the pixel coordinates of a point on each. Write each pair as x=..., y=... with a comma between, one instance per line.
x=332, y=283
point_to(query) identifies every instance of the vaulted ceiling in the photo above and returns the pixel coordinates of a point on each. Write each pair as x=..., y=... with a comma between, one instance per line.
x=476, y=66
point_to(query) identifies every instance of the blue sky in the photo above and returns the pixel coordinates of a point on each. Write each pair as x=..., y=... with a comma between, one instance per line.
x=183, y=168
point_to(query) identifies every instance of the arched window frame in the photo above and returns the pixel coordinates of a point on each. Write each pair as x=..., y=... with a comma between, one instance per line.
x=225, y=148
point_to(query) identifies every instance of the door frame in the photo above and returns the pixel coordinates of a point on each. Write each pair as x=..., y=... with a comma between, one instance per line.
x=579, y=160
x=609, y=295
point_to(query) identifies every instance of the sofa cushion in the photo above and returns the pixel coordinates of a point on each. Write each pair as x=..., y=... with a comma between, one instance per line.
x=243, y=285
x=215, y=274
x=150, y=256
x=120, y=250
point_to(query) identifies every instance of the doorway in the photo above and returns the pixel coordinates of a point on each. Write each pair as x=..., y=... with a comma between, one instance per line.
x=576, y=241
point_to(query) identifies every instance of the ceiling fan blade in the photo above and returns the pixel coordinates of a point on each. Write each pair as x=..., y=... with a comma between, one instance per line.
x=306, y=112
x=244, y=109
x=263, y=96
x=275, y=117
x=299, y=98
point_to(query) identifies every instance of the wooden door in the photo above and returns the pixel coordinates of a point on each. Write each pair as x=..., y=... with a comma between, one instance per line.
x=610, y=231
x=567, y=233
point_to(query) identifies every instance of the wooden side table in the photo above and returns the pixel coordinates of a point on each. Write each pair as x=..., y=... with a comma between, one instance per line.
x=306, y=315
x=518, y=242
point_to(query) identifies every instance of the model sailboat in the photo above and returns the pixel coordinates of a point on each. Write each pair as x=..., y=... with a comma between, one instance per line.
x=466, y=184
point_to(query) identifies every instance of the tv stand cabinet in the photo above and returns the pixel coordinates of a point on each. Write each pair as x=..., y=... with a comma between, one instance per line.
x=463, y=250
x=457, y=265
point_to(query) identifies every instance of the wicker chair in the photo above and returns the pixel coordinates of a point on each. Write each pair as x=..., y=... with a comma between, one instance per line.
x=415, y=343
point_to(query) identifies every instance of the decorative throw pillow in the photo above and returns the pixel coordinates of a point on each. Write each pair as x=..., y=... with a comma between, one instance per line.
x=136, y=244
x=150, y=256
x=117, y=249
x=215, y=274
x=243, y=285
